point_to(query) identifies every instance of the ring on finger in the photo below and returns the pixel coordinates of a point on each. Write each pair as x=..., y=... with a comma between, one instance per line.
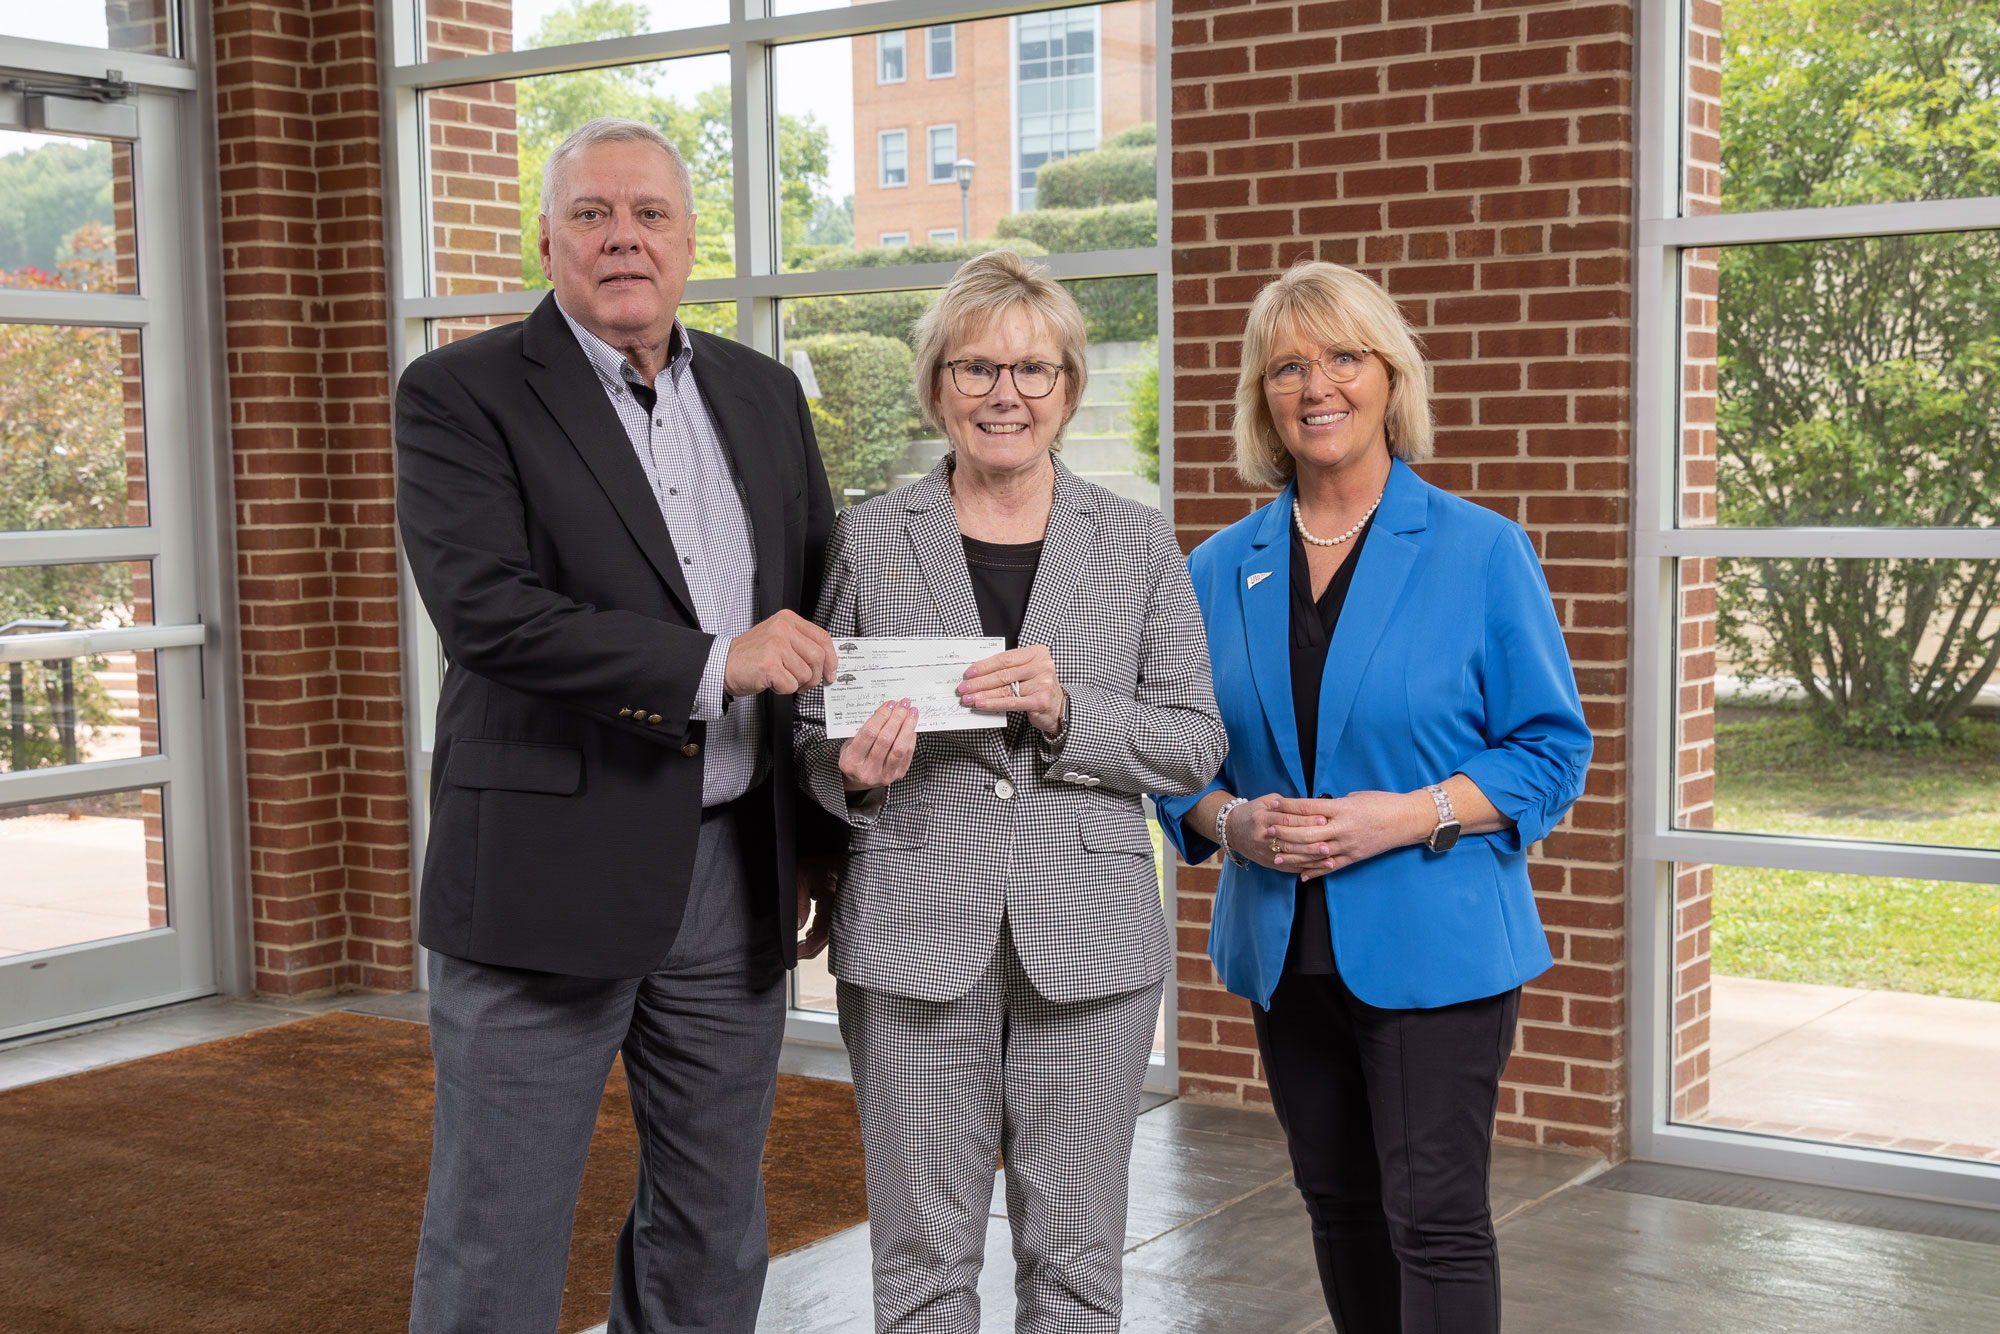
x=1276, y=847
x=1015, y=686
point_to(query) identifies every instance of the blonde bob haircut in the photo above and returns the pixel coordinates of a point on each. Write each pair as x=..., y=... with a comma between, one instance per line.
x=983, y=290
x=1328, y=306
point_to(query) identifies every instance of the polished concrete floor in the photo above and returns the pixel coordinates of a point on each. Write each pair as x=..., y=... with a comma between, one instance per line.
x=1216, y=1236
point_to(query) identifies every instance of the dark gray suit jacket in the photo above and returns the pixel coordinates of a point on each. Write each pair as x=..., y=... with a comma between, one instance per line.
x=566, y=793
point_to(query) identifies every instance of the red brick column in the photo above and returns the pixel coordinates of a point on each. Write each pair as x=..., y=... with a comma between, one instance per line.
x=301, y=189
x=1478, y=162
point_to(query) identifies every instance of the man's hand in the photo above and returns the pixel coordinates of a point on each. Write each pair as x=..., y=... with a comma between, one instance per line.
x=817, y=881
x=784, y=655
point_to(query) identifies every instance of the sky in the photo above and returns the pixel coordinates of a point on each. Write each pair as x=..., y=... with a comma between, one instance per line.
x=811, y=77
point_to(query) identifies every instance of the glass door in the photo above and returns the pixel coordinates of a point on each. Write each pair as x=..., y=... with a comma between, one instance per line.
x=105, y=898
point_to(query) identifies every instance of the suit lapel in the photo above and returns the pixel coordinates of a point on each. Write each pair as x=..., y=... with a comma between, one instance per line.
x=562, y=378
x=1267, y=627
x=1065, y=553
x=1385, y=562
x=739, y=420
x=940, y=555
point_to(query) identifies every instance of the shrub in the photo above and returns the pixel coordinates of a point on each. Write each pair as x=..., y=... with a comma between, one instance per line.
x=1113, y=227
x=863, y=415
x=1091, y=180
x=1142, y=409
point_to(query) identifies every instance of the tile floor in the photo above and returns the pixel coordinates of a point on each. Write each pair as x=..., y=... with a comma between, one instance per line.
x=1217, y=1241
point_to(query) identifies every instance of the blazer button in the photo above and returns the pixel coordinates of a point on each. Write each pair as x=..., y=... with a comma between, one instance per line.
x=691, y=749
x=624, y=713
x=655, y=718
x=1004, y=790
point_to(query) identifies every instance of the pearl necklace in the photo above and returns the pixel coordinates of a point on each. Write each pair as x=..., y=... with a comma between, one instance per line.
x=1299, y=518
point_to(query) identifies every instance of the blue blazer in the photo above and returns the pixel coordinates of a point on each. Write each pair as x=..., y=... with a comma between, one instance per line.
x=1447, y=659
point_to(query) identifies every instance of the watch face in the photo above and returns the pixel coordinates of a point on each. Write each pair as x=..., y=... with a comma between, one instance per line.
x=1444, y=837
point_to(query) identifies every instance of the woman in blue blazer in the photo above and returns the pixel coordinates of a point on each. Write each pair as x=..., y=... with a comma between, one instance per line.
x=1403, y=723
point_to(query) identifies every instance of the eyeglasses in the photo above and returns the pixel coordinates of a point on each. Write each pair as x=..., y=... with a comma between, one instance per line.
x=977, y=378
x=1289, y=375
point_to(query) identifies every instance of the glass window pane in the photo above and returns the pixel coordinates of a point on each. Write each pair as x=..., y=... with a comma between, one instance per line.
x=944, y=152
x=82, y=869
x=1095, y=68
x=454, y=28
x=942, y=52
x=487, y=143
x=1853, y=1009
x=78, y=711
x=73, y=451
x=106, y=25
x=1840, y=102
x=889, y=54
x=1847, y=383
x=66, y=218
x=1843, y=698
x=854, y=355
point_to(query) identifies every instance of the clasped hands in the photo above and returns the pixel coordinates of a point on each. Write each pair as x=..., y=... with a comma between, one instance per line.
x=1021, y=680
x=1310, y=836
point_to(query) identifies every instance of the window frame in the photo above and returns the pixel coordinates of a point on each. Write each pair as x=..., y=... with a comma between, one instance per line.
x=931, y=70
x=931, y=176
x=1664, y=235
x=941, y=236
x=882, y=180
x=885, y=240
x=882, y=50
x=759, y=283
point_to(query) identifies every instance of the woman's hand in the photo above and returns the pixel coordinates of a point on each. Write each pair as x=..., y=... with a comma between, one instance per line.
x=1021, y=680
x=1264, y=832
x=1312, y=836
x=881, y=751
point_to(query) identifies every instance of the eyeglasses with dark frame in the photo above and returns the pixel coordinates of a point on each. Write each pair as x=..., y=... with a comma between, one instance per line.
x=1288, y=375
x=977, y=377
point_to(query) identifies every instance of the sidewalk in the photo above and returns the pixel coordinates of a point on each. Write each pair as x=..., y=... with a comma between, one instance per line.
x=1880, y=1068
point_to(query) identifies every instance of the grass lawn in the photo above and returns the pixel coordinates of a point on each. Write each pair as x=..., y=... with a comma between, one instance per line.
x=1775, y=775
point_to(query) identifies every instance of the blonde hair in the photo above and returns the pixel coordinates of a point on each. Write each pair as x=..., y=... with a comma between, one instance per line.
x=983, y=290
x=1329, y=306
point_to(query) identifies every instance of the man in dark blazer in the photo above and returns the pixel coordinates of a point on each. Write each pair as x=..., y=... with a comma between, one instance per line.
x=613, y=523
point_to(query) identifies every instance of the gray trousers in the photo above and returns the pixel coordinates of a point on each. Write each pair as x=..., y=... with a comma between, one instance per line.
x=522, y=1059
x=943, y=1090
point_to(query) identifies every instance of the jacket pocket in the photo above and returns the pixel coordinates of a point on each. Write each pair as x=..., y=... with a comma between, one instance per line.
x=1114, y=829
x=902, y=825
x=515, y=766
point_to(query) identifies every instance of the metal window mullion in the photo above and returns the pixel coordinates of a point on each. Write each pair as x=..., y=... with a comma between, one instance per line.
x=1902, y=218
x=753, y=150
x=1835, y=543
x=71, y=781
x=88, y=546
x=1826, y=856
x=95, y=309
x=165, y=73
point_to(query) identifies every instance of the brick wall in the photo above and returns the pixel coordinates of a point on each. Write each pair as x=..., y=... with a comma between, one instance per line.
x=299, y=135
x=1476, y=158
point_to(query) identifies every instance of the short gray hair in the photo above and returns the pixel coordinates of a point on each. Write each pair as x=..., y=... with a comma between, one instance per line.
x=980, y=292
x=612, y=130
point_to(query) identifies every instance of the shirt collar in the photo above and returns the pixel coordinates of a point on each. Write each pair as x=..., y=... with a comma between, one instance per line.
x=610, y=363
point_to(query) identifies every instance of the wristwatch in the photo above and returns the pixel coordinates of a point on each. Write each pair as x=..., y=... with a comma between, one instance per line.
x=1445, y=836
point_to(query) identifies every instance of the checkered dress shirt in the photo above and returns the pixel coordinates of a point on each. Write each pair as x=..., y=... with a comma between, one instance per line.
x=687, y=467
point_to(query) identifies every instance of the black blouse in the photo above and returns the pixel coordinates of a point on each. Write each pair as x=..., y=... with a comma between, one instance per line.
x=1002, y=573
x=1311, y=947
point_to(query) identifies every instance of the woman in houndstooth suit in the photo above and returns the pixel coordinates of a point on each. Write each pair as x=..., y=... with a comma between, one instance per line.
x=997, y=933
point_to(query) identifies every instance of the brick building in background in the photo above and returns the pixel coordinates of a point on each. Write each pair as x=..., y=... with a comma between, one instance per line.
x=1008, y=94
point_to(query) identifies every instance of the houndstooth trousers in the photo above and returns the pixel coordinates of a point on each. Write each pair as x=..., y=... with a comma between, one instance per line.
x=945, y=1088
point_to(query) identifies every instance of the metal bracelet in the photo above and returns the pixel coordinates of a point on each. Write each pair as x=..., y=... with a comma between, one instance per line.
x=1222, y=830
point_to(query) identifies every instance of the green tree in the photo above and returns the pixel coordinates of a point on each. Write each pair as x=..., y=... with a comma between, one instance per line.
x=46, y=194
x=62, y=465
x=1860, y=379
x=1142, y=409
x=550, y=107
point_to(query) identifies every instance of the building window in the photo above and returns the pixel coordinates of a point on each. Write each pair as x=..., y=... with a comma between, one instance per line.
x=941, y=52
x=944, y=153
x=890, y=59
x=1055, y=91
x=943, y=235
x=895, y=150
x=895, y=238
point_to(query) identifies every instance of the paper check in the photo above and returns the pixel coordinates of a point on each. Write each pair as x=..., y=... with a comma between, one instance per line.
x=926, y=672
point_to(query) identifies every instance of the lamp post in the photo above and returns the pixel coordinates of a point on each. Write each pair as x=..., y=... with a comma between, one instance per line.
x=963, y=169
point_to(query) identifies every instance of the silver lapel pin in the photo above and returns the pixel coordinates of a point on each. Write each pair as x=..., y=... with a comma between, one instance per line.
x=1259, y=578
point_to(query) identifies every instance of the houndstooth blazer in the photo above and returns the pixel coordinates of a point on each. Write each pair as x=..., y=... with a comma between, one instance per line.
x=997, y=821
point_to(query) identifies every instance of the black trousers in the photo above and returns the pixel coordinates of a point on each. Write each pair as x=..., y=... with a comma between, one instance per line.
x=1389, y=1117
